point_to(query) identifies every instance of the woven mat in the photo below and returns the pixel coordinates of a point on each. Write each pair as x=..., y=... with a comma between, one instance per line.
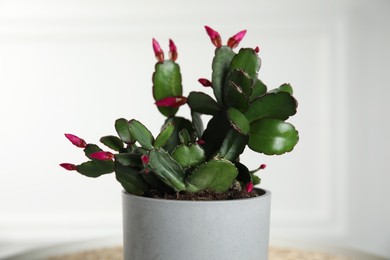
x=275, y=253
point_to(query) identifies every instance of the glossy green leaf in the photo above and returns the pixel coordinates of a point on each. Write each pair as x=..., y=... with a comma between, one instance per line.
x=90, y=149
x=238, y=120
x=167, y=169
x=272, y=136
x=220, y=66
x=233, y=145
x=167, y=83
x=179, y=123
x=164, y=135
x=247, y=60
x=112, y=142
x=128, y=159
x=189, y=156
x=284, y=87
x=217, y=175
x=197, y=123
x=123, y=130
x=143, y=136
x=279, y=105
x=243, y=80
x=184, y=137
x=131, y=180
x=215, y=133
x=235, y=97
x=95, y=168
x=258, y=89
x=202, y=103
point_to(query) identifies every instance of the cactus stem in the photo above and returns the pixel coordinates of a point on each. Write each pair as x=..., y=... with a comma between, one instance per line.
x=171, y=101
x=102, y=155
x=172, y=51
x=249, y=186
x=205, y=82
x=69, y=166
x=158, y=51
x=214, y=36
x=76, y=140
x=235, y=39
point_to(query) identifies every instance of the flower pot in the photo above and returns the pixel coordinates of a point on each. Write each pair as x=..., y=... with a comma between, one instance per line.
x=195, y=230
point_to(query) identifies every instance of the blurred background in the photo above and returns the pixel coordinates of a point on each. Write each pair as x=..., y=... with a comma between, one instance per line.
x=76, y=66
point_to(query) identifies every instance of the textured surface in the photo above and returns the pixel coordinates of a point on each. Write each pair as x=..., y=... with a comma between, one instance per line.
x=275, y=253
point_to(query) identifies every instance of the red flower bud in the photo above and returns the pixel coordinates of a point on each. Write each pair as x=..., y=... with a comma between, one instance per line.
x=76, y=140
x=69, y=166
x=249, y=187
x=262, y=166
x=171, y=101
x=214, y=36
x=172, y=50
x=235, y=40
x=205, y=82
x=145, y=159
x=200, y=142
x=158, y=51
x=257, y=49
x=102, y=155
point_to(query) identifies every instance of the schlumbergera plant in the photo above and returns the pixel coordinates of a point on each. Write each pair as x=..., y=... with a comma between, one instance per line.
x=184, y=156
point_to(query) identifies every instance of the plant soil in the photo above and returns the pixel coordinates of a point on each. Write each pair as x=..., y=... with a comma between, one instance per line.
x=205, y=195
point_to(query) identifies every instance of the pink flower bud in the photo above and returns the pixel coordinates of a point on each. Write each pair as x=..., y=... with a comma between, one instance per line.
x=257, y=49
x=76, y=140
x=102, y=155
x=145, y=159
x=205, y=82
x=214, y=36
x=235, y=40
x=200, y=142
x=171, y=101
x=158, y=51
x=69, y=166
x=249, y=186
x=262, y=166
x=146, y=171
x=172, y=50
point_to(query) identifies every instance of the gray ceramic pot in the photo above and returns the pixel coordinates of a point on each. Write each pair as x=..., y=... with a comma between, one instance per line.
x=156, y=229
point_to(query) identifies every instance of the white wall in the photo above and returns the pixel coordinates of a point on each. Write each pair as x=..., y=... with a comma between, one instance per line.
x=76, y=66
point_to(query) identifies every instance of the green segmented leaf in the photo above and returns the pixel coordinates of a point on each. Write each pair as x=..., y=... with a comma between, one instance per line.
x=220, y=66
x=247, y=60
x=284, y=87
x=143, y=136
x=258, y=89
x=202, y=103
x=112, y=142
x=238, y=120
x=272, y=136
x=235, y=97
x=167, y=83
x=233, y=145
x=244, y=175
x=123, y=130
x=164, y=135
x=197, y=123
x=128, y=159
x=215, y=133
x=90, y=149
x=217, y=175
x=279, y=105
x=95, y=168
x=189, y=156
x=180, y=123
x=184, y=137
x=131, y=180
x=167, y=169
x=241, y=79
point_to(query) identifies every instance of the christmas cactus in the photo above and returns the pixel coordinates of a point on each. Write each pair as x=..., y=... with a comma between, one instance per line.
x=185, y=156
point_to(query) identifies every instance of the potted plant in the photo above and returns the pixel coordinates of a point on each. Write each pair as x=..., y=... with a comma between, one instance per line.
x=186, y=193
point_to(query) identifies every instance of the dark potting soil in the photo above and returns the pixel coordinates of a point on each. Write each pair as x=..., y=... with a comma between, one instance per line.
x=205, y=195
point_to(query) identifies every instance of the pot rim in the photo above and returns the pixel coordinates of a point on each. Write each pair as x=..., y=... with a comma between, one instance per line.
x=265, y=194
